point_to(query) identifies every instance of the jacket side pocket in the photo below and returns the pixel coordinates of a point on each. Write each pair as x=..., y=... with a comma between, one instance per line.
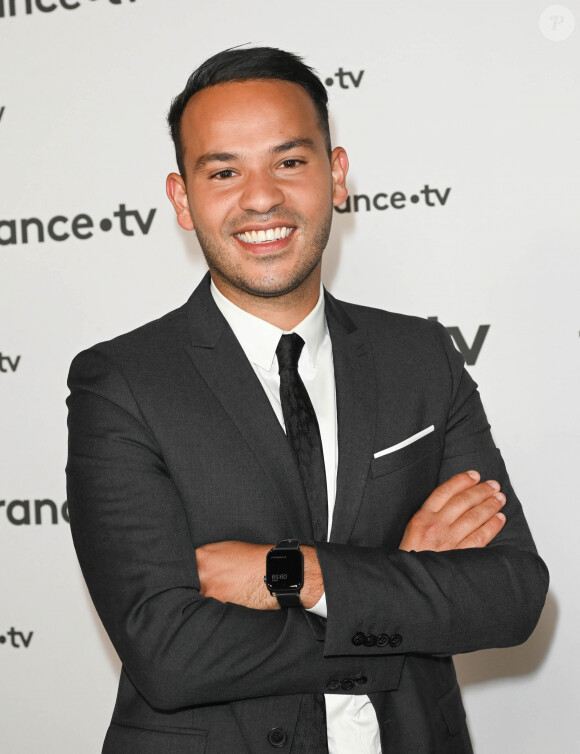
x=128, y=739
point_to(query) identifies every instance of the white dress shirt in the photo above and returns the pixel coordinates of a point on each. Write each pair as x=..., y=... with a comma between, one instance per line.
x=351, y=721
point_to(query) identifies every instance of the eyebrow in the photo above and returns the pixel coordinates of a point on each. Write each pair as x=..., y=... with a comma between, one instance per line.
x=293, y=144
x=287, y=146
x=205, y=159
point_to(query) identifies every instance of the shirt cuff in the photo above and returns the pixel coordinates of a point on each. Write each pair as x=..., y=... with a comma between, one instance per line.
x=320, y=607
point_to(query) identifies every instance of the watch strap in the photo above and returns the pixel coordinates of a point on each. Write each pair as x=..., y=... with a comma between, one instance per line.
x=288, y=544
x=288, y=600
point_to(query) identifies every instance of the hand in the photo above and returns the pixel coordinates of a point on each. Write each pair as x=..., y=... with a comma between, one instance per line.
x=234, y=572
x=459, y=513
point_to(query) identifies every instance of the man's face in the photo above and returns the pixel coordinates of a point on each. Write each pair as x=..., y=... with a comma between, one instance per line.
x=259, y=186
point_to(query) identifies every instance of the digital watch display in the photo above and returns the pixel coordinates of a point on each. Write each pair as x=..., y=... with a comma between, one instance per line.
x=285, y=572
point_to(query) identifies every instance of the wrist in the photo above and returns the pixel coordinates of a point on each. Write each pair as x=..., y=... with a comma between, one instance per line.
x=313, y=588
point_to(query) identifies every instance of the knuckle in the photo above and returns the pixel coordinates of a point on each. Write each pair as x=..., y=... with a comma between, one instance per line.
x=478, y=539
x=482, y=537
x=450, y=485
x=434, y=536
x=442, y=492
x=461, y=501
x=419, y=520
x=471, y=517
x=431, y=531
x=423, y=529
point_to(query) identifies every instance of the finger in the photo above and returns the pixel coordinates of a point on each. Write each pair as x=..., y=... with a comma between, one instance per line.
x=442, y=494
x=483, y=536
x=475, y=517
x=465, y=500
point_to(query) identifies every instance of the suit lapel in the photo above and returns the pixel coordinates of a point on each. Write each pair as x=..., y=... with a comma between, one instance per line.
x=356, y=412
x=221, y=362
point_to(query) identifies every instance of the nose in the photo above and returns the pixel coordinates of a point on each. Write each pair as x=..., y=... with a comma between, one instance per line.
x=261, y=193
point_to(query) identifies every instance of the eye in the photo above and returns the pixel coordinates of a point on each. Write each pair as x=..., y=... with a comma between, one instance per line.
x=291, y=163
x=222, y=174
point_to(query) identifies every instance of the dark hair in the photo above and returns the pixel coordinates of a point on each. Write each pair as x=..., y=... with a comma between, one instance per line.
x=251, y=63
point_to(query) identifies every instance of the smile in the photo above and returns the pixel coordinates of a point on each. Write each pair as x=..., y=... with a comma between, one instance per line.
x=265, y=236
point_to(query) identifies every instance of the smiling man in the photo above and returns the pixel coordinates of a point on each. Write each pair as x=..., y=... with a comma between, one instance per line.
x=289, y=510
x=258, y=187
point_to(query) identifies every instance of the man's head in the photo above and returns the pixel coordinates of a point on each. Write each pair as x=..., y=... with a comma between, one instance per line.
x=258, y=182
x=248, y=64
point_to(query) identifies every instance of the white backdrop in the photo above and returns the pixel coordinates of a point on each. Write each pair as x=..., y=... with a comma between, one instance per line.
x=474, y=104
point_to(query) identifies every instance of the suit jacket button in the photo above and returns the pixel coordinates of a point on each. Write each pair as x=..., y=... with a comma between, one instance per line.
x=382, y=640
x=333, y=685
x=360, y=680
x=277, y=737
x=395, y=640
x=358, y=639
x=347, y=684
x=370, y=640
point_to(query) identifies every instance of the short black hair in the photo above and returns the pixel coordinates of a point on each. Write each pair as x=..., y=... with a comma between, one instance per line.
x=247, y=64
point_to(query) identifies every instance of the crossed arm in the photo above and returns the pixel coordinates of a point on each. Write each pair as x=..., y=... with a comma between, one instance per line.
x=461, y=513
x=181, y=647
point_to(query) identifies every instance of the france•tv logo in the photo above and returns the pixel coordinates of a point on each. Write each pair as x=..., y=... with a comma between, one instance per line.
x=14, y=7
x=16, y=639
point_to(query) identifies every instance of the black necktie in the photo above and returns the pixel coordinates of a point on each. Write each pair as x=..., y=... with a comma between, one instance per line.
x=304, y=437
x=303, y=432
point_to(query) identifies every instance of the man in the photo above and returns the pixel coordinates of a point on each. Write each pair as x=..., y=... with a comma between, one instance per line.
x=263, y=412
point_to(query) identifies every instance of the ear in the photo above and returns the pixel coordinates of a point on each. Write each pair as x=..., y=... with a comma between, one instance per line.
x=177, y=193
x=339, y=169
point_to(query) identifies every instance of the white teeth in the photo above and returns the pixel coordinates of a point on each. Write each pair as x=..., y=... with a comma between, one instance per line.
x=265, y=236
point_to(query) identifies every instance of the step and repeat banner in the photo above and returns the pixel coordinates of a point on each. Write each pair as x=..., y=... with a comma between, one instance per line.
x=461, y=121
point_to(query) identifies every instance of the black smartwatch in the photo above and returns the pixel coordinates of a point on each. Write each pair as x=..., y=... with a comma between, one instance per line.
x=285, y=572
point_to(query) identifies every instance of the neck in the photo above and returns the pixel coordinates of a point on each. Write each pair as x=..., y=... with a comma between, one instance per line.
x=284, y=311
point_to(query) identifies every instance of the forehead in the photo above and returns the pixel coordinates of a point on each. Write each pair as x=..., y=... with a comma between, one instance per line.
x=242, y=115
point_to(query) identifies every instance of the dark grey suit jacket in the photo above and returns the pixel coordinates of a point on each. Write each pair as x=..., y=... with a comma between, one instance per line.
x=173, y=444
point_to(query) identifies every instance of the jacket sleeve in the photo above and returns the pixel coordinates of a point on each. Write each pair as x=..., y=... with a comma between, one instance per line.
x=134, y=546
x=441, y=602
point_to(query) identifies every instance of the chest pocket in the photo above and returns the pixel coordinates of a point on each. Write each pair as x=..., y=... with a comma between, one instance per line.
x=406, y=456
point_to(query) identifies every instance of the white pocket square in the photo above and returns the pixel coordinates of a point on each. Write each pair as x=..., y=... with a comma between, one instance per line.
x=406, y=442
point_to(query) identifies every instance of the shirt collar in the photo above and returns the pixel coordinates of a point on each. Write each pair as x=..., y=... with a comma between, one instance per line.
x=259, y=339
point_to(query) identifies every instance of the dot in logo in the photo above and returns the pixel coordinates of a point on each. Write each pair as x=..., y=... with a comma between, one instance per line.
x=2, y=640
x=329, y=81
x=557, y=23
x=414, y=198
x=106, y=224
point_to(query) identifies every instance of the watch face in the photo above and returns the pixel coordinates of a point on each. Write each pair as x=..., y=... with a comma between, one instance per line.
x=284, y=569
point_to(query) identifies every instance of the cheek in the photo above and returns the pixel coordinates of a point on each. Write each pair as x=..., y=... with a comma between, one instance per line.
x=313, y=200
x=208, y=214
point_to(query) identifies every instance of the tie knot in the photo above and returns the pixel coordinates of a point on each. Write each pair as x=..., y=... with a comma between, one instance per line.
x=288, y=351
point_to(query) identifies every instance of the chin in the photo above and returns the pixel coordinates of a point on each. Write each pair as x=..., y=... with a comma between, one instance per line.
x=268, y=287
x=270, y=290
